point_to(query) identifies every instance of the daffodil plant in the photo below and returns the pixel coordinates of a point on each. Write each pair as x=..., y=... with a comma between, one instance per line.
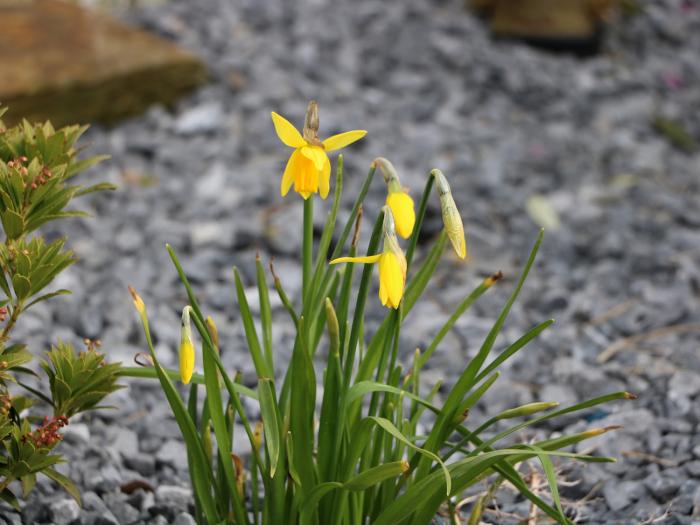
x=349, y=433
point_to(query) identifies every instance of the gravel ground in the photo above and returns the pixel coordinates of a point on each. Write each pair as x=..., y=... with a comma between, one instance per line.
x=620, y=273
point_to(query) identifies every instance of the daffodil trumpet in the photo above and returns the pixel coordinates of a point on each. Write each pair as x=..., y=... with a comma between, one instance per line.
x=392, y=264
x=309, y=168
x=450, y=215
x=397, y=199
x=186, y=347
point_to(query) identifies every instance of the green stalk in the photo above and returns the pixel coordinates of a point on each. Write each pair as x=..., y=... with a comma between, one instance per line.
x=308, y=249
x=372, y=249
x=353, y=214
x=422, y=207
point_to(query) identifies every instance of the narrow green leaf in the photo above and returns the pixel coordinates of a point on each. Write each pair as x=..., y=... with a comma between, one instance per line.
x=271, y=421
x=389, y=427
x=265, y=312
x=251, y=334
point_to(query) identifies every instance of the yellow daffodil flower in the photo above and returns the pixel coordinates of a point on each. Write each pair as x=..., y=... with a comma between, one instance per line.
x=186, y=347
x=450, y=215
x=398, y=200
x=392, y=264
x=401, y=205
x=309, y=168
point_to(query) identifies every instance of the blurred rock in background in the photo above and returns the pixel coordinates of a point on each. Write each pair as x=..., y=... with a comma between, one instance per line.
x=560, y=25
x=70, y=64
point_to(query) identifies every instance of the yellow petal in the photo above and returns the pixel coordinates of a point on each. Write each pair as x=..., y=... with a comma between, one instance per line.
x=306, y=176
x=290, y=172
x=343, y=139
x=316, y=155
x=401, y=205
x=324, y=182
x=186, y=361
x=287, y=132
x=391, y=280
x=367, y=259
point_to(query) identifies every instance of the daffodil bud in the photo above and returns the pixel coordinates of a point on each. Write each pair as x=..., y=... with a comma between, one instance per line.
x=213, y=332
x=527, y=410
x=186, y=347
x=206, y=442
x=257, y=436
x=450, y=215
x=398, y=200
x=138, y=302
x=333, y=327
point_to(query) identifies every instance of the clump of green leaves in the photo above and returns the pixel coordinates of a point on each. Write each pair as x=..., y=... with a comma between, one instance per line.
x=377, y=446
x=37, y=165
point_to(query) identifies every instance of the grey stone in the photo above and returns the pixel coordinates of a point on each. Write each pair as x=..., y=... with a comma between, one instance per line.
x=662, y=487
x=144, y=464
x=620, y=494
x=64, y=511
x=173, y=496
x=184, y=519
x=126, y=442
x=205, y=118
x=77, y=433
x=173, y=453
x=105, y=479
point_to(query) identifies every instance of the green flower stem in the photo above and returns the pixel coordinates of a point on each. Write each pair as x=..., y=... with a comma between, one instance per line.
x=372, y=249
x=353, y=214
x=308, y=248
x=419, y=219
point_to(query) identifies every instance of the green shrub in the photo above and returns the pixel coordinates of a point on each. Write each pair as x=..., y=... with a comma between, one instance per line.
x=37, y=164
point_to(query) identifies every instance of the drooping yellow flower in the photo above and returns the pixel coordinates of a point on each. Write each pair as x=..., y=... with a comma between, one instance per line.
x=401, y=205
x=450, y=215
x=392, y=264
x=309, y=167
x=398, y=200
x=186, y=347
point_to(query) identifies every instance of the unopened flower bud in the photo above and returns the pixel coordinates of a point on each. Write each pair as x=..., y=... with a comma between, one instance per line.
x=527, y=410
x=186, y=347
x=213, y=332
x=138, y=302
x=450, y=215
x=257, y=435
x=206, y=442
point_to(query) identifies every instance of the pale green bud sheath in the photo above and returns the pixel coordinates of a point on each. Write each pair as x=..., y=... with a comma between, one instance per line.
x=450, y=214
x=527, y=410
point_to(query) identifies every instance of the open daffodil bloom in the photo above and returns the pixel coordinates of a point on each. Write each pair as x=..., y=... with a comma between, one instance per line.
x=309, y=167
x=392, y=264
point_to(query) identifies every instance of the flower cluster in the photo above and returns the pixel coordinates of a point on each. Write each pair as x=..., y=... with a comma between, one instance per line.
x=309, y=169
x=47, y=435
